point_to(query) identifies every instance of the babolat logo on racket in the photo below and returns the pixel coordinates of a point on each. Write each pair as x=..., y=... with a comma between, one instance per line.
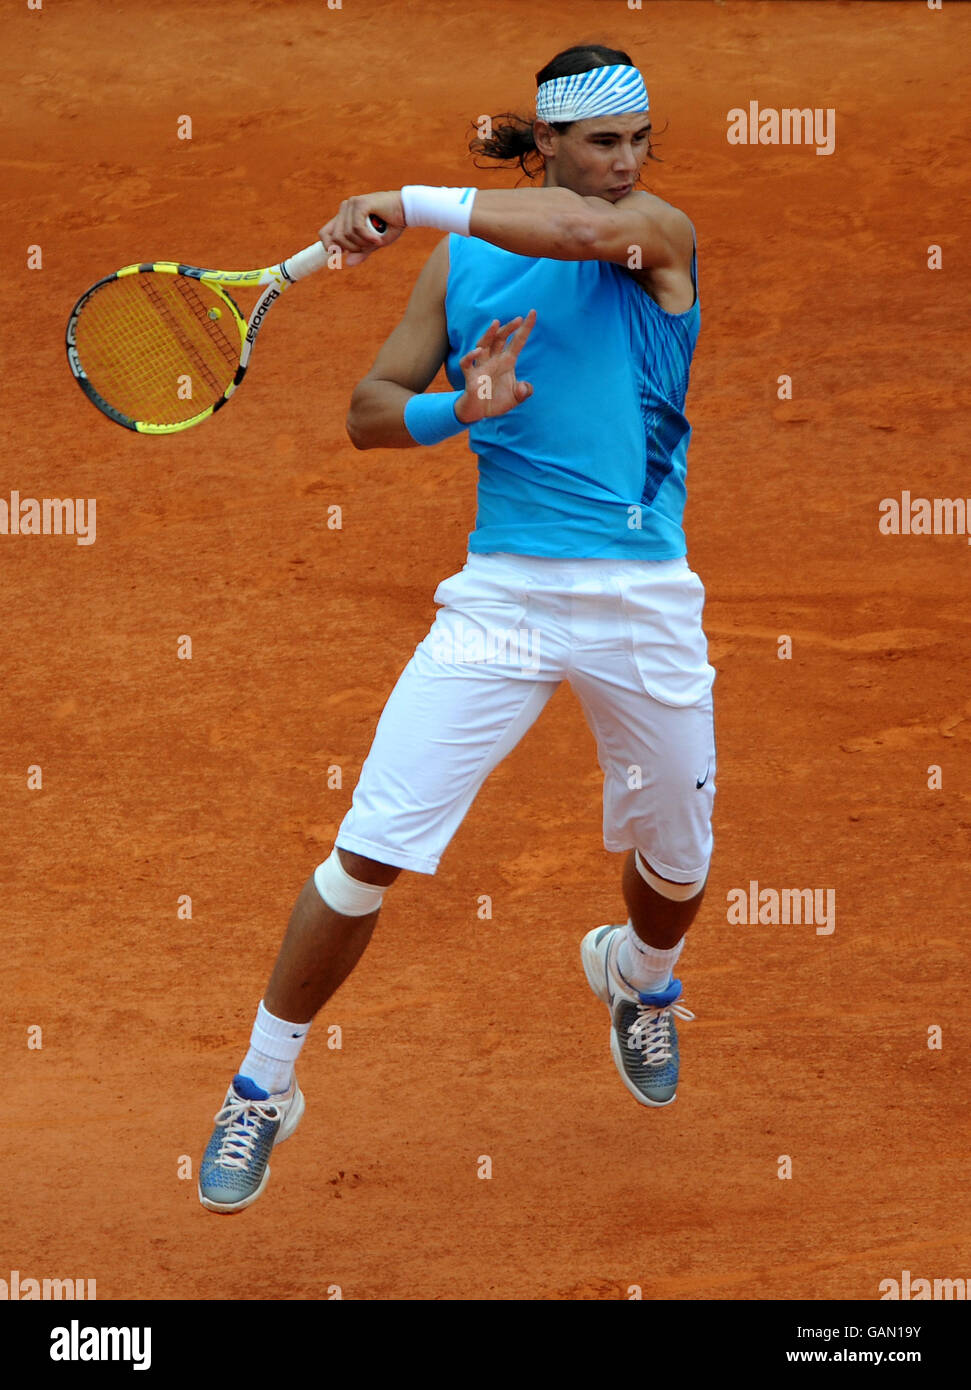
x=257, y=318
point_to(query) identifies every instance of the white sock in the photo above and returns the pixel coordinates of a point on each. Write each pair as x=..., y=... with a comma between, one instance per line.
x=646, y=968
x=273, y=1050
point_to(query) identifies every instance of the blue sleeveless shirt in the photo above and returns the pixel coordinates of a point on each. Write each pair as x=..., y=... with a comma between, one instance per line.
x=593, y=463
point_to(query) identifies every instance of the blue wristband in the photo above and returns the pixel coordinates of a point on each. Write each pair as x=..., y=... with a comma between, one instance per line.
x=431, y=418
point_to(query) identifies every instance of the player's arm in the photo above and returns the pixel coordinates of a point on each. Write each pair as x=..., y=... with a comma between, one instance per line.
x=554, y=223
x=561, y=225
x=407, y=363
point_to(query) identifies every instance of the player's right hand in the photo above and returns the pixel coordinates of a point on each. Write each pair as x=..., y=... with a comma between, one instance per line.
x=351, y=228
x=489, y=369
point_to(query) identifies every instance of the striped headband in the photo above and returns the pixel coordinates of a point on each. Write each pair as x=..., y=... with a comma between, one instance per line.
x=600, y=92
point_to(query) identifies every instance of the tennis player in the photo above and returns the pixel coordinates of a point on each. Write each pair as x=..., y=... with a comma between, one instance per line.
x=576, y=571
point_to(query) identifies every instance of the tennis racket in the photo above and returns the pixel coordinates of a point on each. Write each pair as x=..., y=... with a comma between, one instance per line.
x=159, y=347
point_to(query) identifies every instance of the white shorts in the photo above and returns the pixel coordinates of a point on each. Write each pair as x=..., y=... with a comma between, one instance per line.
x=626, y=635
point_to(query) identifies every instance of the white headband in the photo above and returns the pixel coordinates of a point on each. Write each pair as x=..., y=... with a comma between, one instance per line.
x=610, y=91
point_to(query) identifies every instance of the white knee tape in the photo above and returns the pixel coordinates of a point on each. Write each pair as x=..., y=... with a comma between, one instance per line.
x=344, y=894
x=676, y=892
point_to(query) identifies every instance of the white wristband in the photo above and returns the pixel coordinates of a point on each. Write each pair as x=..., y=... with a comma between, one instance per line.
x=448, y=209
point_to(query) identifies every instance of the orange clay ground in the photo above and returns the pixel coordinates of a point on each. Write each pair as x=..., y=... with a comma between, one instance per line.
x=163, y=777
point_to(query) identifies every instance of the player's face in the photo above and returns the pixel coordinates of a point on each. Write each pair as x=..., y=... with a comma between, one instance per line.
x=600, y=157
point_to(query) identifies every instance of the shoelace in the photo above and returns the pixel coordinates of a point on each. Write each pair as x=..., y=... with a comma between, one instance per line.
x=236, y=1146
x=651, y=1031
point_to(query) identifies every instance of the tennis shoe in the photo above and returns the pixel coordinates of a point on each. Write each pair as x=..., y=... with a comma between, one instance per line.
x=235, y=1167
x=643, y=1033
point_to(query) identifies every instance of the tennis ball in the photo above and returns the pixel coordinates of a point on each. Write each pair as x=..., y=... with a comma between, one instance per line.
x=215, y=313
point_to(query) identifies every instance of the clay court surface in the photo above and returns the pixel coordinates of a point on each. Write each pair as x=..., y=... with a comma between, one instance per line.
x=209, y=778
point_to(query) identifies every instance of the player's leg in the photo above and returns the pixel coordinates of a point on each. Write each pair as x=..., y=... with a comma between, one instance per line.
x=329, y=928
x=649, y=704
x=660, y=909
x=322, y=945
x=442, y=731
x=630, y=966
x=467, y=696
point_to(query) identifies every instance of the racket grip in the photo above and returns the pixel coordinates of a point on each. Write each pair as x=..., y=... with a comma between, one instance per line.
x=305, y=262
x=313, y=258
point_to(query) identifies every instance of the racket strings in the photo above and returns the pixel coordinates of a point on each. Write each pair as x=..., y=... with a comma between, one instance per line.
x=188, y=291
x=150, y=347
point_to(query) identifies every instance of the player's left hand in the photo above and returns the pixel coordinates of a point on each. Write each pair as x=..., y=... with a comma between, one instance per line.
x=491, y=387
x=352, y=231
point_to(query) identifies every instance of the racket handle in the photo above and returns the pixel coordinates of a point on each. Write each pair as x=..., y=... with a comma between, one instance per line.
x=305, y=262
x=314, y=257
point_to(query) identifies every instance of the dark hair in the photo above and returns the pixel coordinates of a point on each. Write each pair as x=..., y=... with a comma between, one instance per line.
x=511, y=140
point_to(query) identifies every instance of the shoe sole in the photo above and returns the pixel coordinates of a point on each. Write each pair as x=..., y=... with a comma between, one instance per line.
x=595, y=969
x=290, y=1122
